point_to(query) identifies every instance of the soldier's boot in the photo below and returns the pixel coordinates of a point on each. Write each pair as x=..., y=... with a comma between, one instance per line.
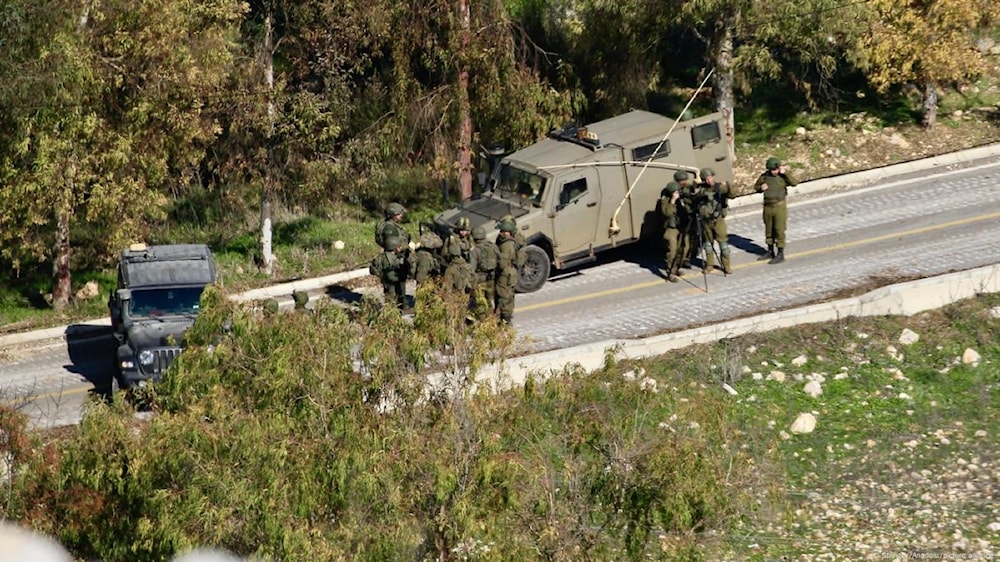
x=769, y=255
x=725, y=265
x=709, y=261
x=673, y=278
x=779, y=257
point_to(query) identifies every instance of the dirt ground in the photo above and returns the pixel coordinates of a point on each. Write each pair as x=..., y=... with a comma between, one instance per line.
x=861, y=143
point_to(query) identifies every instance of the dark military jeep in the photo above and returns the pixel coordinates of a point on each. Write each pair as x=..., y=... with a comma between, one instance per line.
x=158, y=298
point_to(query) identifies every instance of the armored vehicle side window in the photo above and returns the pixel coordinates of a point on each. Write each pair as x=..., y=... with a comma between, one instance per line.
x=705, y=134
x=572, y=190
x=651, y=151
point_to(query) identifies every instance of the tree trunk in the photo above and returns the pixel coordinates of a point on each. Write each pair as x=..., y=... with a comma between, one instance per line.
x=464, y=107
x=721, y=53
x=62, y=277
x=930, y=106
x=267, y=194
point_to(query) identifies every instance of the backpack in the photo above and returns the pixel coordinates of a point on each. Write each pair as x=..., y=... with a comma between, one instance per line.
x=375, y=266
x=489, y=257
x=522, y=254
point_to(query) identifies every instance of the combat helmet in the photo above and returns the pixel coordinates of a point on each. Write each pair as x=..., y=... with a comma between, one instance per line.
x=705, y=173
x=670, y=189
x=507, y=226
x=773, y=163
x=479, y=233
x=680, y=175
x=393, y=209
x=300, y=298
x=463, y=223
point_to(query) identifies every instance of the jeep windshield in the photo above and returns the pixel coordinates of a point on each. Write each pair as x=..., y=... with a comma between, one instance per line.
x=517, y=185
x=175, y=301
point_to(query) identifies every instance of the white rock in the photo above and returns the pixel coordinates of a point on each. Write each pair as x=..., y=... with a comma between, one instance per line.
x=800, y=131
x=777, y=376
x=805, y=423
x=800, y=360
x=908, y=337
x=894, y=353
x=206, y=555
x=981, y=433
x=995, y=312
x=994, y=526
x=757, y=376
x=338, y=245
x=970, y=357
x=88, y=291
x=784, y=435
x=904, y=396
x=957, y=113
x=862, y=336
x=649, y=384
x=840, y=376
x=729, y=389
x=813, y=388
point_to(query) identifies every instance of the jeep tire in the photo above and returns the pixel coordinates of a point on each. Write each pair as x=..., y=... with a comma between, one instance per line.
x=535, y=271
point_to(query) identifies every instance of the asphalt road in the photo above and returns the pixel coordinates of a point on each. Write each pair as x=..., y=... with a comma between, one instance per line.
x=839, y=242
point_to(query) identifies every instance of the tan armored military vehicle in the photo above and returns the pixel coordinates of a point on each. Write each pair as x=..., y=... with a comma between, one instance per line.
x=587, y=189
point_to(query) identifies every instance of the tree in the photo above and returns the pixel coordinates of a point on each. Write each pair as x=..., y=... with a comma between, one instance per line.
x=106, y=114
x=926, y=43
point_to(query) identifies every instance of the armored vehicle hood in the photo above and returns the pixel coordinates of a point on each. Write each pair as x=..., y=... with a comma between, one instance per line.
x=160, y=332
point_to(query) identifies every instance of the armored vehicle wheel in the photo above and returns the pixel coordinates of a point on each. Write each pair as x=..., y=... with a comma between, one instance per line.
x=536, y=269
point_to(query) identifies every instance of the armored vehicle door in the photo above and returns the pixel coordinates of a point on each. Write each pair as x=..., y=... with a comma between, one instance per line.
x=575, y=210
x=708, y=141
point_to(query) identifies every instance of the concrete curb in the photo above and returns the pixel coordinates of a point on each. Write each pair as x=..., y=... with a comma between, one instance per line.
x=903, y=299
x=875, y=174
x=273, y=291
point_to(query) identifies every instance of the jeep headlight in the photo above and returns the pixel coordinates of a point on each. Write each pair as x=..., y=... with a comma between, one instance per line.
x=146, y=357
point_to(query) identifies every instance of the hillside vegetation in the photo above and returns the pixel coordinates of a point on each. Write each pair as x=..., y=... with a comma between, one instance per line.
x=311, y=436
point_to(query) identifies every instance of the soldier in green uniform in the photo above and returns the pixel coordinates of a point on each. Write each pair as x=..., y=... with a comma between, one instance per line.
x=487, y=258
x=685, y=217
x=459, y=276
x=713, y=215
x=424, y=262
x=669, y=197
x=460, y=237
x=774, y=184
x=506, y=281
x=301, y=299
x=390, y=268
x=392, y=225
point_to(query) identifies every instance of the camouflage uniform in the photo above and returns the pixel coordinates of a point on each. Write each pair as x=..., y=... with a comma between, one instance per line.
x=685, y=217
x=774, y=184
x=487, y=258
x=506, y=281
x=301, y=299
x=461, y=239
x=390, y=267
x=424, y=262
x=459, y=275
x=671, y=229
x=714, y=222
x=391, y=226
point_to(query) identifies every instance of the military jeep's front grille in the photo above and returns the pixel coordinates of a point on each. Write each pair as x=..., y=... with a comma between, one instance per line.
x=162, y=359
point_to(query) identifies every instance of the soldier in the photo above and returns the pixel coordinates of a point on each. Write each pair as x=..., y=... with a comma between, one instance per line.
x=774, y=184
x=487, y=258
x=301, y=299
x=424, y=262
x=461, y=238
x=392, y=225
x=717, y=196
x=459, y=275
x=669, y=197
x=390, y=268
x=507, y=271
x=685, y=217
